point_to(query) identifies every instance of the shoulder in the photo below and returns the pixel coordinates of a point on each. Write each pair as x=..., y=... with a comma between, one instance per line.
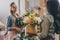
x=9, y=17
x=50, y=18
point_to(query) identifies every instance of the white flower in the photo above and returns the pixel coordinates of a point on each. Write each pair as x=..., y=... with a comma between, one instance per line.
x=25, y=20
x=38, y=19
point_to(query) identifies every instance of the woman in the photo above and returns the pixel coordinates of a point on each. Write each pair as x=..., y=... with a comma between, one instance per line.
x=47, y=32
x=12, y=28
x=52, y=7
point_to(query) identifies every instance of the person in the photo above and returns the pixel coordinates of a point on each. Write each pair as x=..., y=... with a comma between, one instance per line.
x=47, y=26
x=52, y=7
x=2, y=31
x=2, y=26
x=11, y=27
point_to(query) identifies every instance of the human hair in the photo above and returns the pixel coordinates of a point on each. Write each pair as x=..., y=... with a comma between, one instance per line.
x=12, y=3
x=11, y=6
x=52, y=7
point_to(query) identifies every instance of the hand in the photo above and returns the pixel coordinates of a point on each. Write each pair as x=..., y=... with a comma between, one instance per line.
x=13, y=28
x=18, y=29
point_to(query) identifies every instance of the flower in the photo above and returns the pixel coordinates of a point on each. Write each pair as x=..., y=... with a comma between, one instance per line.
x=38, y=19
x=25, y=20
x=32, y=19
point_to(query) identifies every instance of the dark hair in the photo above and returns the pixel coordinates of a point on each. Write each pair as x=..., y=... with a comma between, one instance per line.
x=12, y=3
x=52, y=7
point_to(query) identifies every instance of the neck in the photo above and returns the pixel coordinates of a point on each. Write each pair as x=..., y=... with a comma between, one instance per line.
x=13, y=13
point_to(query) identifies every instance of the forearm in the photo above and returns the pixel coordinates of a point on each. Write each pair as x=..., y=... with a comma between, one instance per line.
x=18, y=29
x=13, y=27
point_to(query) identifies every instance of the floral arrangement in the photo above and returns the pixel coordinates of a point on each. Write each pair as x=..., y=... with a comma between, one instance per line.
x=32, y=18
x=19, y=22
x=29, y=18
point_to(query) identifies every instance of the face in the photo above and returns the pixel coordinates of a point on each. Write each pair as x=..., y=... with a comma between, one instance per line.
x=13, y=8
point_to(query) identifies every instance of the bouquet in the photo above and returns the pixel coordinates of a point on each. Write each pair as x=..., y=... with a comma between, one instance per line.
x=31, y=21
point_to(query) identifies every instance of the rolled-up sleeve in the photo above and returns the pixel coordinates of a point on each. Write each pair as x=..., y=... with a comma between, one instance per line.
x=9, y=23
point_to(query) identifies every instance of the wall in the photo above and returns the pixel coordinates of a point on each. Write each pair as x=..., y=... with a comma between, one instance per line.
x=34, y=3
x=22, y=7
x=4, y=9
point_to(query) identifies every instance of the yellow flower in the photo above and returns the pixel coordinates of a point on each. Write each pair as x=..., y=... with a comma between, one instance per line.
x=32, y=15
